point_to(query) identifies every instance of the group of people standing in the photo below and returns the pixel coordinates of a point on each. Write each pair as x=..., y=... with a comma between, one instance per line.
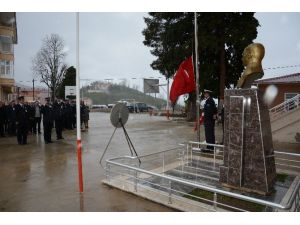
x=23, y=118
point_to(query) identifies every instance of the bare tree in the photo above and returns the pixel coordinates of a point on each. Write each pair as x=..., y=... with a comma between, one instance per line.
x=49, y=65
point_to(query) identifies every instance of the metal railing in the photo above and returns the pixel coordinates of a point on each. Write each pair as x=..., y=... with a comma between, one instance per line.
x=164, y=172
x=286, y=106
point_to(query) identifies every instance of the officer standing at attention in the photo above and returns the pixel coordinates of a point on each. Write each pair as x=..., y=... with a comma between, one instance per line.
x=47, y=111
x=58, y=109
x=22, y=121
x=210, y=111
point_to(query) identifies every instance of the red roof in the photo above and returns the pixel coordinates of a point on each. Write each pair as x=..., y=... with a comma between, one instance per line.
x=292, y=78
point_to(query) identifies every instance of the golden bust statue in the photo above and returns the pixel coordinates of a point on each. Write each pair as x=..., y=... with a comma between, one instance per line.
x=252, y=57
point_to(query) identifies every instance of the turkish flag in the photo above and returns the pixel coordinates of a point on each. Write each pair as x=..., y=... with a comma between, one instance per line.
x=184, y=80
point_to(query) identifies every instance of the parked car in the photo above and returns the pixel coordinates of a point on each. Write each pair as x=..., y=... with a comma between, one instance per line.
x=131, y=107
x=142, y=107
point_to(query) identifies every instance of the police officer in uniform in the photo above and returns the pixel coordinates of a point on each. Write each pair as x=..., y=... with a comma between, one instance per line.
x=22, y=121
x=47, y=111
x=210, y=111
x=58, y=108
x=11, y=114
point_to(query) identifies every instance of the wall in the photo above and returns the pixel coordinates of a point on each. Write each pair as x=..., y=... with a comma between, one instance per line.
x=282, y=89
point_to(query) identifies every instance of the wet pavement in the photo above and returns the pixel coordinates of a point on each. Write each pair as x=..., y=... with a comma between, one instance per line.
x=39, y=177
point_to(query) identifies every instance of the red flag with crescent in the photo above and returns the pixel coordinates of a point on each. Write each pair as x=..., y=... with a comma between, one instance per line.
x=184, y=80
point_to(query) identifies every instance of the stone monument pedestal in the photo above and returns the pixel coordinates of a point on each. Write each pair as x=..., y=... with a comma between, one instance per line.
x=249, y=163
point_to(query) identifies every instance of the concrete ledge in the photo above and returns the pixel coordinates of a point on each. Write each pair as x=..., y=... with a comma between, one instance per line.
x=161, y=197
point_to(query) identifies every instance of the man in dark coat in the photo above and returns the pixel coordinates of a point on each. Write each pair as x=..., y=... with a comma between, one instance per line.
x=67, y=115
x=210, y=112
x=58, y=109
x=2, y=118
x=47, y=111
x=73, y=114
x=31, y=113
x=11, y=117
x=22, y=120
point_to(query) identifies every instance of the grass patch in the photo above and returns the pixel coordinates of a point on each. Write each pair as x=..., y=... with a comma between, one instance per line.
x=281, y=177
x=245, y=205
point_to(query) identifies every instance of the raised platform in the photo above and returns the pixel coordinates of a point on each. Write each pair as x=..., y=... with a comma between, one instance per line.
x=187, y=180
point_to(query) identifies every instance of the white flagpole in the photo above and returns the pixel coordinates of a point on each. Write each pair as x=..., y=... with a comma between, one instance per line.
x=197, y=79
x=78, y=125
x=168, y=99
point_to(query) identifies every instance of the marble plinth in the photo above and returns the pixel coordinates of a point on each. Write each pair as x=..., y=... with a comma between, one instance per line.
x=249, y=162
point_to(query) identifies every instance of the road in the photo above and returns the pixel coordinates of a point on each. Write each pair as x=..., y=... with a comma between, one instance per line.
x=39, y=177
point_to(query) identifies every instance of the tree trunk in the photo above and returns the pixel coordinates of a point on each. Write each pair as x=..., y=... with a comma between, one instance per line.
x=191, y=108
x=222, y=67
x=52, y=94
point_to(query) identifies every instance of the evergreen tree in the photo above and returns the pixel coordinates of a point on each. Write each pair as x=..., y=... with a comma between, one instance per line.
x=222, y=38
x=68, y=80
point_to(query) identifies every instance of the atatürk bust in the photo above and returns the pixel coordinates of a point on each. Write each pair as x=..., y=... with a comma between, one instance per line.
x=252, y=57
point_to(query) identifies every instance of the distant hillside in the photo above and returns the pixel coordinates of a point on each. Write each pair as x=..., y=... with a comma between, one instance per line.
x=113, y=93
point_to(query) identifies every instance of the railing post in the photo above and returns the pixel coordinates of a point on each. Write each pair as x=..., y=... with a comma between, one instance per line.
x=297, y=200
x=187, y=152
x=170, y=192
x=108, y=172
x=215, y=201
x=163, y=162
x=135, y=180
x=214, y=158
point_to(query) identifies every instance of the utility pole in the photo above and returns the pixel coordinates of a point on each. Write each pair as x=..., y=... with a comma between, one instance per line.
x=33, y=89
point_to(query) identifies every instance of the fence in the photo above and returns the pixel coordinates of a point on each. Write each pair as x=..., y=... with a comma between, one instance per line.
x=187, y=175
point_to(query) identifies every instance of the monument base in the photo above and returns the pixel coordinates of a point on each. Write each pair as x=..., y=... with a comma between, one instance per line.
x=248, y=190
x=249, y=162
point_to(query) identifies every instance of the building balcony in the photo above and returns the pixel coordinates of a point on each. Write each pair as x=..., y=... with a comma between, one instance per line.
x=6, y=81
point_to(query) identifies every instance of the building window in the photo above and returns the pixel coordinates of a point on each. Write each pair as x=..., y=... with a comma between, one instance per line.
x=6, y=44
x=292, y=103
x=6, y=68
x=6, y=48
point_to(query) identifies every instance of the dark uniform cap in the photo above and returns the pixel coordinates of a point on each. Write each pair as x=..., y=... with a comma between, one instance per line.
x=21, y=98
x=47, y=99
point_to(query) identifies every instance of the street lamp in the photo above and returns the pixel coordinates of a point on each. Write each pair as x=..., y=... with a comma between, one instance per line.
x=32, y=86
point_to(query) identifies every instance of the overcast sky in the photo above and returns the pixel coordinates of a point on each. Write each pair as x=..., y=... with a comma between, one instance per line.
x=111, y=44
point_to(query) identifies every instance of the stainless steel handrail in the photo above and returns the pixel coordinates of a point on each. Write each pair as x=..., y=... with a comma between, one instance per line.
x=215, y=190
x=282, y=107
x=274, y=109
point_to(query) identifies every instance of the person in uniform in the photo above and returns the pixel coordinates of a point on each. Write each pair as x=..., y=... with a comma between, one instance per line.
x=22, y=120
x=11, y=113
x=47, y=111
x=210, y=112
x=2, y=118
x=67, y=115
x=31, y=112
x=58, y=109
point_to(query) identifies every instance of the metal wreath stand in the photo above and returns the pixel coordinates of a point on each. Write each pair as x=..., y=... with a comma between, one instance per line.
x=118, y=118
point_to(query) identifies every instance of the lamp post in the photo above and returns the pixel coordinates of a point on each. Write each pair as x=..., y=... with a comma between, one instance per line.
x=33, y=80
x=33, y=89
